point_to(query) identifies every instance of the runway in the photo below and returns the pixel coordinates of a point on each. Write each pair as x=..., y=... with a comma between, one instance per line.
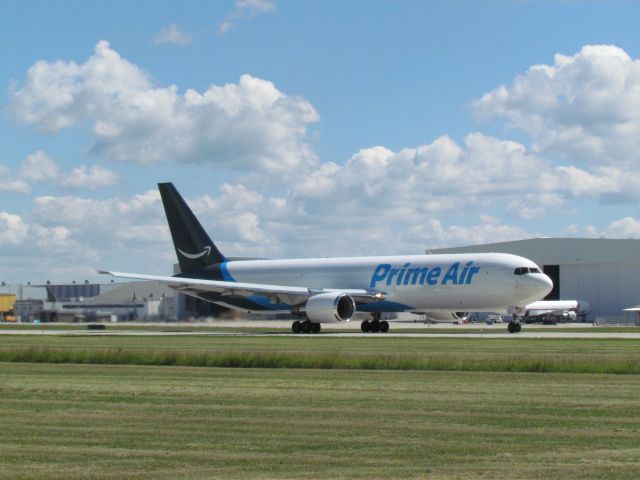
x=281, y=329
x=567, y=335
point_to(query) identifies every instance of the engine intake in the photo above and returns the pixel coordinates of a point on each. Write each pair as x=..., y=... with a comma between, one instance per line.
x=330, y=307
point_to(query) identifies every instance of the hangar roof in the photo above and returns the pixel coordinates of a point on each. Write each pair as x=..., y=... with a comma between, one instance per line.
x=561, y=250
x=125, y=292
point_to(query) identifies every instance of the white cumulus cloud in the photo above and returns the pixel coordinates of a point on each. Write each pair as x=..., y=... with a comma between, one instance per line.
x=445, y=176
x=256, y=5
x=580, y=112
x=13, y=185
x=245, y=10
x=91, y=178
x=172, y=35
x=584, y=107
x=13, y=230
x=26, y=239
x=39, y=167
x=246, y=124
x=627, y=227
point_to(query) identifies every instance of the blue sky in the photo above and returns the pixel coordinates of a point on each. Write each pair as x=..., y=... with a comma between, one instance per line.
x=298, y=128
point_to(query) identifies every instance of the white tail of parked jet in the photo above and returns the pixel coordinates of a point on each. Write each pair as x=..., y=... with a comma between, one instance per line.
x=329, y=290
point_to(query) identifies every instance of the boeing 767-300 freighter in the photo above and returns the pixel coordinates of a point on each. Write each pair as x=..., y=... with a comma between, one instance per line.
x=329, y=290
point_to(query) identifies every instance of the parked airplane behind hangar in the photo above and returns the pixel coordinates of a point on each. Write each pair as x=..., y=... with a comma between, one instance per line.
x=552, y=311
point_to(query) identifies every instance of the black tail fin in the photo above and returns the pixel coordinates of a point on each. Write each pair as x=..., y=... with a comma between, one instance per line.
x=194, y=248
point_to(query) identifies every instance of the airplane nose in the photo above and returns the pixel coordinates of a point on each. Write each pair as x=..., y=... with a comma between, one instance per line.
x=534, y=287
x=545, y=285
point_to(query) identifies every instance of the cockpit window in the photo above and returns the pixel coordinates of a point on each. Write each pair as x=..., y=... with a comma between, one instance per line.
x=525, y=270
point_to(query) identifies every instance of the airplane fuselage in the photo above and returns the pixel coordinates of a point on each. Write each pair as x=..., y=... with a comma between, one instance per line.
x=415, y=283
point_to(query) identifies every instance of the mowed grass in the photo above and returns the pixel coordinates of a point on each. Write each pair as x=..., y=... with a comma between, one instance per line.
x=116, y=422
x=621, y=356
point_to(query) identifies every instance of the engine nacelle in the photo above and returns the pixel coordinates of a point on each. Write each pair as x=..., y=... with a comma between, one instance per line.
x=447, y=316
x=330, y=307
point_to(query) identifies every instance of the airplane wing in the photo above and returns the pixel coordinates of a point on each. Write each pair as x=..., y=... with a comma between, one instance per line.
x=279, y=293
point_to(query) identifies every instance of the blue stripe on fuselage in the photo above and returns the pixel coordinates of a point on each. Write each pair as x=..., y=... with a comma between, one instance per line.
x=260, y=303
x=254, y=302
x=268, y=304
x=226, y=276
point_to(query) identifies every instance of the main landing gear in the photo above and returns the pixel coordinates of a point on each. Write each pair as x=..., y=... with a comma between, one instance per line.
x=514, y=327
x=305, y=326
x=375, y=325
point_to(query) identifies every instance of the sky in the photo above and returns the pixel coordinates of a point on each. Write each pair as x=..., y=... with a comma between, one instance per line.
x=297, y=129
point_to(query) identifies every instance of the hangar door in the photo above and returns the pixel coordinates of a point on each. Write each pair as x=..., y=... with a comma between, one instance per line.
x=553, y=272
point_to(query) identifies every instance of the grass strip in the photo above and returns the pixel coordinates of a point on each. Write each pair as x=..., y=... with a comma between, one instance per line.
x=327, y=361
x=117, y=422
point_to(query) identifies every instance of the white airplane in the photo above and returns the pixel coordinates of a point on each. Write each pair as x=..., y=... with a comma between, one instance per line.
x=329, y=290
x=557, y=311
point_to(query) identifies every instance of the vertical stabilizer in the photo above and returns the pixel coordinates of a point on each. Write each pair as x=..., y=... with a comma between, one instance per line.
x=51, y=296
x=194, y=248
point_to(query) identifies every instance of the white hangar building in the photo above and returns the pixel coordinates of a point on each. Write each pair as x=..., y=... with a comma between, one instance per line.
x=604, y=272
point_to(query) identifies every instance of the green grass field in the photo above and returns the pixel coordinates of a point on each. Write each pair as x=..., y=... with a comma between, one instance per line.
x=139, y=421
x=92, y=421
x=389, y=353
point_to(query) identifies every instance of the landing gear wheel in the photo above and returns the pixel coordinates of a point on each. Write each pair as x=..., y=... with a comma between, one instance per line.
x=296, y=326
x=375, y=326
x=365, y=326
x=315, y=328
x=306, y=326
x=512, y=327
x=384, y=326
x=518, y=327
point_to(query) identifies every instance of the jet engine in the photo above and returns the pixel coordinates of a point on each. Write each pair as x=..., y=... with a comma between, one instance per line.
x=330, y=307
x=447, y=316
